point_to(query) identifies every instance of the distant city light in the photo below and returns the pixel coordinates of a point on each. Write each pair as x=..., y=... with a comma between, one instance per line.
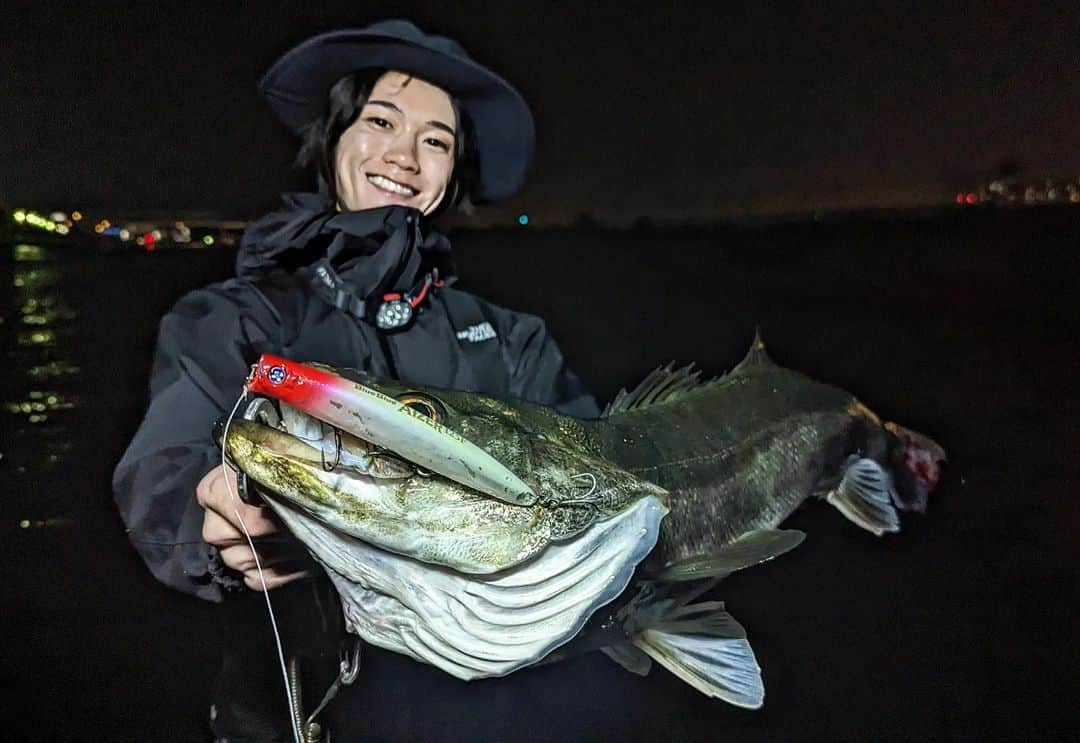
x=35, y=220
x=76, y=216
x=125, y=235
x=58, y=216
x=207, y=240
x=523, y=220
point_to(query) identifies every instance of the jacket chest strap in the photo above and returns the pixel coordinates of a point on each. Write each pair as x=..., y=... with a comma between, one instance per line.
x=391, y=312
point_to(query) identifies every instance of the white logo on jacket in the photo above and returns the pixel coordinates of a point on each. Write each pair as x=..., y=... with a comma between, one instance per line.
x=477, y=333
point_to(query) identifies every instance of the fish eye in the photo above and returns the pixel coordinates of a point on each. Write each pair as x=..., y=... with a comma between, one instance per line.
x=427, y=406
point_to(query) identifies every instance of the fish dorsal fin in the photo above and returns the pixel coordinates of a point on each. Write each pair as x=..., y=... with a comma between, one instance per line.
x=664, y=384
x=756, y=356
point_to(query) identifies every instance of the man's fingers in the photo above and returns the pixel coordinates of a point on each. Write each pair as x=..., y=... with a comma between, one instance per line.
x=214, y=495
x=239, y=557
x=259, y=521
x=213, y=489
x=281, y=557
x=219, y=531
x=277, y=570
x=273, y=578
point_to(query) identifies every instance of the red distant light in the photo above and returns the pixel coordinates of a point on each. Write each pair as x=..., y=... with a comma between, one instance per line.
x=970, y=198
x=959, y=198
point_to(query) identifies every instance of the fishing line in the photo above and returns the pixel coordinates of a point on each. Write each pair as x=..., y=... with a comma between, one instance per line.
x=258, y=567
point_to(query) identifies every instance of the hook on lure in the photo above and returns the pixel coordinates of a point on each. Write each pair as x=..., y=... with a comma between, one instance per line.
x=330, y=467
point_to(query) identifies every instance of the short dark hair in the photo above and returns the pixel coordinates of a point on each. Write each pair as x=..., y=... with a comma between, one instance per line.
x=346, y=99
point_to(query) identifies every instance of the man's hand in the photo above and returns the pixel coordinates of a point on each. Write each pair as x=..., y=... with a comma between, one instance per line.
x=283, y=558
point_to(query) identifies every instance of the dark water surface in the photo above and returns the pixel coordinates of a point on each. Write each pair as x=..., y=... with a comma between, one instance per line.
x=961, y=627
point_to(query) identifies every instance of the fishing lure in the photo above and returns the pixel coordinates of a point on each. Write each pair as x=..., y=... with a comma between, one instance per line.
x=371, y=415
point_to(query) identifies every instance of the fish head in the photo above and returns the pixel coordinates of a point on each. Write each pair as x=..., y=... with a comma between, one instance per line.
x=548, y=451
x=369, y=489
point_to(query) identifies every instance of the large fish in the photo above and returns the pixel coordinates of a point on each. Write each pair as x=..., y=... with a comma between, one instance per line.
x=481, y=535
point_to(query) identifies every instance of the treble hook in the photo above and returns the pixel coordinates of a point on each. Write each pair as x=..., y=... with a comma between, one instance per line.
x=337, y=451
x=350, y=663
x=349, y=669
x=592, y=477
x=584, y=500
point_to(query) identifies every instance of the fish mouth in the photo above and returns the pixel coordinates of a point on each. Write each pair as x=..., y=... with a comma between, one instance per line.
x=412, y=432
x=431, y=519
x=245, y=440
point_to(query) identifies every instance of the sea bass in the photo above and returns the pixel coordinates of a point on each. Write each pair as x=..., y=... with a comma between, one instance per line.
x=481, y=535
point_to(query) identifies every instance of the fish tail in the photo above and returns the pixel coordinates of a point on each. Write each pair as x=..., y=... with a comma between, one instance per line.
x=865, y=496
x=705, y=647
x=920, y=467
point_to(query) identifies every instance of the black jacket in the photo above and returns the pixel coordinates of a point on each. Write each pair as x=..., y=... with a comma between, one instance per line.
x=306, y=276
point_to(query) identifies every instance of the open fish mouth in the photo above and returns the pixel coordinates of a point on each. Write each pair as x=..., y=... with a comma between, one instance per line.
x=410, y=429
x=310, y=440
x=360, y=489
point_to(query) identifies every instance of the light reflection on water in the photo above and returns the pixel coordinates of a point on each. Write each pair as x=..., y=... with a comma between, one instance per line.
x=52, y=370
x=38, y=333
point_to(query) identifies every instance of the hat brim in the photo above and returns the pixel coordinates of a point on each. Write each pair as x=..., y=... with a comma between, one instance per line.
x=298, y=84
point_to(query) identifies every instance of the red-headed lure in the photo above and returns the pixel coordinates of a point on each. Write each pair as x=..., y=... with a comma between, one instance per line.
x=381, y=420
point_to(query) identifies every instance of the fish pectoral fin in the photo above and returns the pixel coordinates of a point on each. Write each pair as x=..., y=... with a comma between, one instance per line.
x=630, y=658
x=705, y=647
x=748, y=550
x=865, y=496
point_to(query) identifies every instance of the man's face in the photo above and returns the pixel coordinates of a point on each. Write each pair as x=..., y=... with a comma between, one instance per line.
x=400, y=149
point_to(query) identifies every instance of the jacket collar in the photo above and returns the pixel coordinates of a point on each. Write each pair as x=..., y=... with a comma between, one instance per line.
x=367, y=253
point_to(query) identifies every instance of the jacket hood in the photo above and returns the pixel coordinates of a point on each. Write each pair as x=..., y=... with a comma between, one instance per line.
x=372, y=251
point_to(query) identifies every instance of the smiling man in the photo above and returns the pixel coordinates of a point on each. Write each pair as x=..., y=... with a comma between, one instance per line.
x=400, y=150
x=398, y=126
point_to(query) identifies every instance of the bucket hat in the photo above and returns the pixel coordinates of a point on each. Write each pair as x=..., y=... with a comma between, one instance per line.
x=297, y=87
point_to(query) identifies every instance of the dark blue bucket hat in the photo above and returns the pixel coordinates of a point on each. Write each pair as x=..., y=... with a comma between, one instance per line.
x=297, y=87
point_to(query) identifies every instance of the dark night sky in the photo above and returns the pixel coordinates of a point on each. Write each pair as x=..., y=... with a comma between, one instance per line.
x=641, y=108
